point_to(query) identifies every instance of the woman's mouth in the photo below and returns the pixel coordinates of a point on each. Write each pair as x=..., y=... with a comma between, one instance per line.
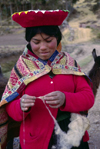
x=44, y=53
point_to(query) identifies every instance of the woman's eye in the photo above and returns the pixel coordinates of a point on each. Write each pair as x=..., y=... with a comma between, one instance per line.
x=48, y=40
x=36, y=42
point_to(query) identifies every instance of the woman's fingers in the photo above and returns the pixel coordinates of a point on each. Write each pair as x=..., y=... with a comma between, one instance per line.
x=55, y=107
x=55, y=99
x=27, y=101
x=23, y=100
x=52, y=94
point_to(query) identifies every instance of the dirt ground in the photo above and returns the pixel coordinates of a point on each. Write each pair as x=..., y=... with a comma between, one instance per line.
x=82, y=53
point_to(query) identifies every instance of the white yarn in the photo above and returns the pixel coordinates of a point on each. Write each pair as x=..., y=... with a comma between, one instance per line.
x=77, y=127
x=72, y=138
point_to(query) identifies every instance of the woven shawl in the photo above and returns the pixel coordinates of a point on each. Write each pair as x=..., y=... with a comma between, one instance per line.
x=28, y=68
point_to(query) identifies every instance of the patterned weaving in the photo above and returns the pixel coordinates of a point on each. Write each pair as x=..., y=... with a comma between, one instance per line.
x=28, y=68
x=3, y=127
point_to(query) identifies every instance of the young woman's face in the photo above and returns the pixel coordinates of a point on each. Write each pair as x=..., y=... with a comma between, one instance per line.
x=43, y=45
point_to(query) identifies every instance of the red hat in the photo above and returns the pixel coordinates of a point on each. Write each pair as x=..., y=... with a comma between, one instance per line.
x=33, y=18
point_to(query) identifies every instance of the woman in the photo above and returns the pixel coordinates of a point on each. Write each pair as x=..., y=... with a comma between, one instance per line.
x=44, y=80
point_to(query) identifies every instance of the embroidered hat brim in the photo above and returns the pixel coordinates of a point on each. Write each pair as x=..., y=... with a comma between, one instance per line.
x=33, y=18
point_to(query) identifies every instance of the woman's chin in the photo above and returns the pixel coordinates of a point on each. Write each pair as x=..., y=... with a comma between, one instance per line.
x=44, y=57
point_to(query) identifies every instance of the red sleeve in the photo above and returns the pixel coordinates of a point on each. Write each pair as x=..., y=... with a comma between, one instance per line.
x=82, y=99
x=14, y=110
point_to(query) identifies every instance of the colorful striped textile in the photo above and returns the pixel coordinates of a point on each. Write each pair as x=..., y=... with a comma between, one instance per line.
x=3, y=127
x=28, y=68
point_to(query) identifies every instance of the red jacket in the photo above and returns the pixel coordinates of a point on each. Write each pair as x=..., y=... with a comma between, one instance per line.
x=38, y=125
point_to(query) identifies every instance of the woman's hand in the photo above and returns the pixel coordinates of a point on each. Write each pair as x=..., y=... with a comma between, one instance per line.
x=26, y=102
x=55, y=99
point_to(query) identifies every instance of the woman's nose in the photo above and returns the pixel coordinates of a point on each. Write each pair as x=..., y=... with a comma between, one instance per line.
x=43, y=46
